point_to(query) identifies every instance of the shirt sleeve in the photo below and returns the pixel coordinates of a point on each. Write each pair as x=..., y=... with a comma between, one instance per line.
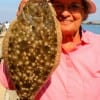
x=5, y=79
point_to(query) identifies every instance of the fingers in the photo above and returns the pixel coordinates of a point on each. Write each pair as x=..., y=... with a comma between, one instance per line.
x=21, y=5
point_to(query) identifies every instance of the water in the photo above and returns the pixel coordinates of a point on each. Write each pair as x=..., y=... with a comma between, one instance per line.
x=93, y=28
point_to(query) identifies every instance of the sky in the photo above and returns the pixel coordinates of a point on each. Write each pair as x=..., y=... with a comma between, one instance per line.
x=8, y=9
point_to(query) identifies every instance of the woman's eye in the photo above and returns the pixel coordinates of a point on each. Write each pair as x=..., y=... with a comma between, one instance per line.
x=75, y=6
x=58, y=6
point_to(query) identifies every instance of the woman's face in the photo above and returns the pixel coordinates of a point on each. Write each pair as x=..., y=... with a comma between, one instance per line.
x=70, y=14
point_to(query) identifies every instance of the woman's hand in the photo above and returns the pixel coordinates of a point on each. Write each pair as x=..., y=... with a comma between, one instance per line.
x=21, y=5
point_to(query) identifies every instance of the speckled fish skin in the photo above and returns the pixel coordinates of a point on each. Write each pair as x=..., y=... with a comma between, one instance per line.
x=31, y=47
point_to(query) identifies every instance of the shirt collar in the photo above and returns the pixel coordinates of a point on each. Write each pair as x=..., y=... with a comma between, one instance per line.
x=85, y=36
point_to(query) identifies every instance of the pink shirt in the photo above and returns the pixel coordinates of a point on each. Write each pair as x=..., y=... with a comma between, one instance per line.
x=78, y=75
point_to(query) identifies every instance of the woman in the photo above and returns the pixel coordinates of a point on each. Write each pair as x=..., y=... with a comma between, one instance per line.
x=77, y=77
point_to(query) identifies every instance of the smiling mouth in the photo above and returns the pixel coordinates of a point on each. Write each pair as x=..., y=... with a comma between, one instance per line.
x=66, y=22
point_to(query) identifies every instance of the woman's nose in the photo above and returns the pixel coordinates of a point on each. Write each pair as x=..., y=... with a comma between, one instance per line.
x=66, y=12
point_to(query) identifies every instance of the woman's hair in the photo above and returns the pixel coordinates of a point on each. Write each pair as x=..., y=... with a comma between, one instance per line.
x=85, y=8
